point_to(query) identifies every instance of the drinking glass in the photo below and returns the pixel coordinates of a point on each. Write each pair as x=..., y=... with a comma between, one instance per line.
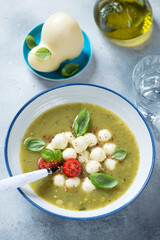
x=146, y=87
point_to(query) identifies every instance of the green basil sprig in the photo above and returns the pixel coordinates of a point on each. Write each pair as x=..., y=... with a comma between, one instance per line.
x=103, y=180
x=30, y=41
x=81, y=122
x=49, y=155
x=43, y=53
x=70, y=69
x=58, y=155
x=120, y=154
x=34, y=144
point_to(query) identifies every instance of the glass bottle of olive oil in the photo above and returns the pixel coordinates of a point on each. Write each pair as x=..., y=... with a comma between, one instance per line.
x=125, y=22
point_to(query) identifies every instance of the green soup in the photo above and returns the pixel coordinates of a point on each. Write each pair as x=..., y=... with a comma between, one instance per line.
x=60, y=119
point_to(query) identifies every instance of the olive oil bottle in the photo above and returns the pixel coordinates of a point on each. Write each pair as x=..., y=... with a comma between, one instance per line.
x=125, y=22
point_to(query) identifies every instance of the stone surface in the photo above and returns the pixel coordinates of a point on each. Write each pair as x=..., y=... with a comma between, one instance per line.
x=111, y=66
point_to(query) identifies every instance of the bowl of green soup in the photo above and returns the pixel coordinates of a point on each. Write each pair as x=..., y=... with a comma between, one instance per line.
x=101, y=141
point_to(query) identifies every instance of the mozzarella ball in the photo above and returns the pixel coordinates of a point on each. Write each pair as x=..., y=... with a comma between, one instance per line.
x=60, y=141
x=59, y=202
x=104, y=135
x=69, y=153
x=59, y=180
x=91, y=138
x=84, y=157
x=72, y=182
x=110, y=164
x=50, y=146
x=69, y=136
x=98, y=154
x=109, y=148
x=80, y=144
x=93, y=167
x=87, y=186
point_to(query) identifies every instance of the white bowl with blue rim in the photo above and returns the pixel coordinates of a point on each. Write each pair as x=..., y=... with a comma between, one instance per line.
x=79, y=92
x=83, y=59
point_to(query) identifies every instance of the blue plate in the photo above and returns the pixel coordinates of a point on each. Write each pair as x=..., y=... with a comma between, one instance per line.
x=83, y=59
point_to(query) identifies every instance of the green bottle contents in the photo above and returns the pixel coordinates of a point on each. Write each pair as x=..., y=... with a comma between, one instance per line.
x=124, y=21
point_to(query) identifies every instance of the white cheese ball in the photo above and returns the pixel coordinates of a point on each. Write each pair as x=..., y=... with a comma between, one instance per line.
x=84, y=157
x=87, y=185
x=72, y=182
x=109, y=148
x=110, y=164
x=69, y=153
x=104, y=135
x=70, y=136
x=80, y=144
x=59, y=202
x=98, y=154
x=93, y=166
x=59, y=180
x=50, y=146
x=91, y=138
x=60, y=141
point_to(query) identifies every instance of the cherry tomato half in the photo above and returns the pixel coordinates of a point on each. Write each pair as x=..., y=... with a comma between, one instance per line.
x=72, y=167
x=47, y=164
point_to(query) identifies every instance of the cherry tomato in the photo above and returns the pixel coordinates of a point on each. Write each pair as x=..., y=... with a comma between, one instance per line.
x=72, y=167
x=47, y=164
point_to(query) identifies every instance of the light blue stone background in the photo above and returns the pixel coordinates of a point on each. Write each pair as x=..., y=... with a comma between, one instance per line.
x=111, y=66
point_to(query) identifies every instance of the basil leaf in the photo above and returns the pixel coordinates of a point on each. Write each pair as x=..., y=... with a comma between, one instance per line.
x=47, y=154
x=103, y=180
x=81, y=122
x=43, y=53
x=34, y=144
x=30, y=41
x=120, y=154
x=70, y=69
x=58, y=155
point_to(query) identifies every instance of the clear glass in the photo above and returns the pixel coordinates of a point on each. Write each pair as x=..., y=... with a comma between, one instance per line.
x=146, y=87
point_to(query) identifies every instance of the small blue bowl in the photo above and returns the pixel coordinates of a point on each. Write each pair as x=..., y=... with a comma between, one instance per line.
x=83, y=59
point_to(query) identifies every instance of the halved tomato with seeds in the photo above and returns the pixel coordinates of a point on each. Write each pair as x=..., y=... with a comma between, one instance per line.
x=72, y=167
x=47, y=164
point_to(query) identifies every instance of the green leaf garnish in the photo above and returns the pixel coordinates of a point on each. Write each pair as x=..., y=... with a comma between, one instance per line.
x=103, y=180
x=58, y=155
x=70, y=69
x=34, y=144
x=81, y=122
x=120, y=154
x=47, y=154
x=30, y=41
x=43, y=53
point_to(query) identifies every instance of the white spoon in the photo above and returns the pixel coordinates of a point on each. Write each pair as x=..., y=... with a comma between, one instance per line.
x=25, y=178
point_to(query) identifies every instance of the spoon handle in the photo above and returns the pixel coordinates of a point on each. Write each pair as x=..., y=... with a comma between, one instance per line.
x=22, y=179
